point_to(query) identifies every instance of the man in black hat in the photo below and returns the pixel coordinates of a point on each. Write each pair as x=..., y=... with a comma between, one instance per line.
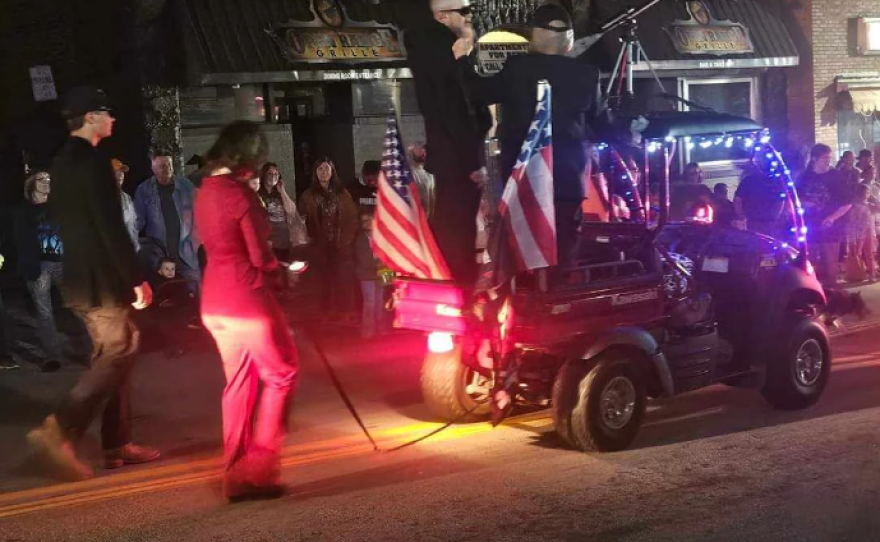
x=455, y=129
x=579, y=114
x=101, y=283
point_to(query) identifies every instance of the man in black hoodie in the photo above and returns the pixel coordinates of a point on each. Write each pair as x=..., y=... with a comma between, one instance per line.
x=455, y=129
x=101, y=283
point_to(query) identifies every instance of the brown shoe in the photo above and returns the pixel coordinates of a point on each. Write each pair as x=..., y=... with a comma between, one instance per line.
x=130, y=454
x=49, y=442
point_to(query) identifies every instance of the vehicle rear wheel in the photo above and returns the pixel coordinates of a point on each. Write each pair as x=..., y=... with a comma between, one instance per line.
x=451, y=388
x=798, y=374
x=599, y=406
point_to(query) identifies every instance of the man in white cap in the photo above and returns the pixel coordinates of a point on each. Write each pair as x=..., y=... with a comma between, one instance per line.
x=580, y=116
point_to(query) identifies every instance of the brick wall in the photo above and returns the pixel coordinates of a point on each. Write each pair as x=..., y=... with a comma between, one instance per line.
x=833, y=54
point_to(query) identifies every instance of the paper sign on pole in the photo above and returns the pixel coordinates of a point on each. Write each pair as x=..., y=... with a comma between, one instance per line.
x=43, y=83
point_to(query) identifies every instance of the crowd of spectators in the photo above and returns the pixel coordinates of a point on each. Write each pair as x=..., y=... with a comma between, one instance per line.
x=841, y=203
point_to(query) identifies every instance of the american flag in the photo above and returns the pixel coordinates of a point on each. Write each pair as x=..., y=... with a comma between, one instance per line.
x=524, y=237
x=401, y=235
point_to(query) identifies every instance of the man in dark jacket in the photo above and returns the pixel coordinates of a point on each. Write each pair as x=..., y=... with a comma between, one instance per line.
x=101, y=279
x=579, y=114
x=455, y=129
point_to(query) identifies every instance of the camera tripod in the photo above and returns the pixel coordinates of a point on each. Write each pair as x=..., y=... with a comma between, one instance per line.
x=631, y=53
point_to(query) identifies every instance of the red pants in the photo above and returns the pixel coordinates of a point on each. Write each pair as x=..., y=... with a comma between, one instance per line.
x=260, y=362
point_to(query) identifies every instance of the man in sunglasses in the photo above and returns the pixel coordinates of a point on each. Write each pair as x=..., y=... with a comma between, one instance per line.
x=455, y=129
x=101, y=283
x=580, y=116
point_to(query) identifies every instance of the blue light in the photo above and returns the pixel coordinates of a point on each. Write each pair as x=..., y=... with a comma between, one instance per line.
x=782, y=194
x=768, y=156
x=670, y=139
x=802, y=239
x=765, y=139
x=804, y=230
x=749, y=142
x=729, y=142
x=690, y=145
x=687, y=139
x=774, y=164
x=791, y=184
x=801, y=211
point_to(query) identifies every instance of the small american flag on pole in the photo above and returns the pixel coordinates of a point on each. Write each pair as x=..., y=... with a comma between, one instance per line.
x=401, y=235
x=524, y=237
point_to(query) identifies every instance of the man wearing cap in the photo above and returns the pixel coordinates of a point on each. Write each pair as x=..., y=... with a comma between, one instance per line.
x=579, y=115
x=129, y=216
x=101, y=283
x=455, y=128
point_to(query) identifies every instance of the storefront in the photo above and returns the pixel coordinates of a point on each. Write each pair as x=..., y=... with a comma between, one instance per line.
x=729, y=56
x=319, y=74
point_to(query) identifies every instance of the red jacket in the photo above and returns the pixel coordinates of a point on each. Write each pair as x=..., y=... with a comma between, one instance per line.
x=235, y=234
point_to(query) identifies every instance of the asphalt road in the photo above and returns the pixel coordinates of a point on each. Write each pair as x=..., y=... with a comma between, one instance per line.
x=716, y=464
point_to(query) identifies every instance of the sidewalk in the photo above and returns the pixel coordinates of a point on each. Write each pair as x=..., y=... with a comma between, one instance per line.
x=850, y=323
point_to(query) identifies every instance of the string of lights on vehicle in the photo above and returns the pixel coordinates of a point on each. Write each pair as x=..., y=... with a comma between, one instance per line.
x=759, y=144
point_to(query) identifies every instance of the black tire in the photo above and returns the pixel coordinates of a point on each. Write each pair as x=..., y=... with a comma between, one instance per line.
x=792, y=384
x=444, y=388
x=577, y=402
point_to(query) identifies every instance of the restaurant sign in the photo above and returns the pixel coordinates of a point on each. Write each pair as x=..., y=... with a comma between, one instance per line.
x=332, y=37
x=704, y=35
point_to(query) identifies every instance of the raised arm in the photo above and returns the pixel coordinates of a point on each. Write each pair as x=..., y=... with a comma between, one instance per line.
x=259, y=253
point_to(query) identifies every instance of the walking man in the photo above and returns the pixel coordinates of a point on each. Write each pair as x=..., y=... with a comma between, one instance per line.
x=101, y=279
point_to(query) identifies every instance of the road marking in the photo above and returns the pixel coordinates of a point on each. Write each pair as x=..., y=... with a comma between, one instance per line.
x=181, y=475
x=347, y=446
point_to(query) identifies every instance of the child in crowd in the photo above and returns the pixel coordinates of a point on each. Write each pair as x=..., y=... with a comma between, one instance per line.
x=367, y=271
x=169, y=290
x=860, y=237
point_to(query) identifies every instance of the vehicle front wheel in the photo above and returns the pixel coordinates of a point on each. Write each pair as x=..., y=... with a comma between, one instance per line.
x=451, y=389
x=599, y=406
x=798, y=373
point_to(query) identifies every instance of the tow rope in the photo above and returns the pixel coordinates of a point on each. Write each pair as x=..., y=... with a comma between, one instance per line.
x=354, y=413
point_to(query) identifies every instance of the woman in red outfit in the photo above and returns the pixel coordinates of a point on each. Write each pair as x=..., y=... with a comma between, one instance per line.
x=259, y=356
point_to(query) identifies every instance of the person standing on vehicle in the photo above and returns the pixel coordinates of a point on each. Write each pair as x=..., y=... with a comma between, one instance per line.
x=238, y=308
x=580, y=116
x=101, y=279
x=826, y=201
x=455, y=128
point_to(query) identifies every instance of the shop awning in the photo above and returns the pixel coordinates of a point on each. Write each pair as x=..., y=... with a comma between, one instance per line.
x=231, y=41
x=865, y=101
x=707, y=34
